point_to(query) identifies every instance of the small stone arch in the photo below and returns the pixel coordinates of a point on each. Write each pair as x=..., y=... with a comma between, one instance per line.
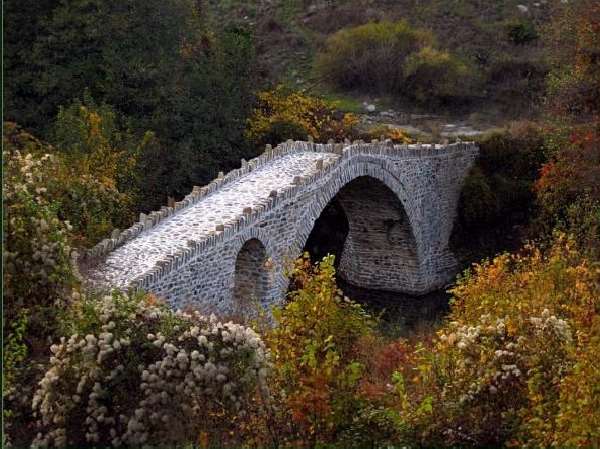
x=252, y=275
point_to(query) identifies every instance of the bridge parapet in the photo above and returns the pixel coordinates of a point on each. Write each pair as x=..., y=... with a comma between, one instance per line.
x=346, y=150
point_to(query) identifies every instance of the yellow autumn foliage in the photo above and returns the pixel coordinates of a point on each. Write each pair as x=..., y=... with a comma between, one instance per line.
x=97, y=182
x=516, y=362
x=282, y=114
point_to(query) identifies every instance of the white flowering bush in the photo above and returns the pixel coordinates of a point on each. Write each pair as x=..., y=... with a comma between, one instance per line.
x=490, y=368
x=478, y=383
x=511, y=366
x=135, y=373
x=37, y=270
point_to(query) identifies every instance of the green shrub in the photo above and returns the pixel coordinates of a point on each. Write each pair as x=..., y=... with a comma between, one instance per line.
x=521, y=32
x=573, y=94
x=578, y=419
x=478, y=204
x=281, y=131
x=516, y=82
x=583, y=222
x=433, y=75
x=567, y=191
x=91, y=177
x=37, y=272
x=499, y=189
x=133, y=373
x=383, y=131
x=36, y=251
x=281, y=114
x=517, y=153
x=371, y=56
x=98, y=183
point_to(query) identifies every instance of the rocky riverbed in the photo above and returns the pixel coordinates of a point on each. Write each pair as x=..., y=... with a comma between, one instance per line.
x=423, y=125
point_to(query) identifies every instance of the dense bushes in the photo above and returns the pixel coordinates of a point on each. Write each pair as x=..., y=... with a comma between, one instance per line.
x=479, y=204
x=56, y=199
x=393, y=58
x=281, y=115
x=521, y=32
x=156, y=63
x=568, y=192
x=36, y=255
x=556, y=167
x=499, y=189
x=36, y=252
x=90, y=175
x=133, y=372
x=547, y=307
x=371, y=56
x=434, y=75
x=516, y=82
x=501, y=371
x=574, y=82
x=383, y=132
x=512, y=364
x=98, y=184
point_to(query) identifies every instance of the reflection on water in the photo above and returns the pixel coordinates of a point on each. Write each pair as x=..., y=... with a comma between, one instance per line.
x=400, y=314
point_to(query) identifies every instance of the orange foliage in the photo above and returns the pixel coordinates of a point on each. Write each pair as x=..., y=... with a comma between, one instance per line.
x=574, y=171
x=382, y=358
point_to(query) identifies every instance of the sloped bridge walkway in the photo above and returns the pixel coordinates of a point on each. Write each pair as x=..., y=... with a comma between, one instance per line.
x=230, y=243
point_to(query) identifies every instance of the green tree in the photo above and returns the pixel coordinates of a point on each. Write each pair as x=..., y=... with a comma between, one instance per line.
x=22, y=26
x=201, y=122
x=155, y=62
x=97, y=183
x=568, y=191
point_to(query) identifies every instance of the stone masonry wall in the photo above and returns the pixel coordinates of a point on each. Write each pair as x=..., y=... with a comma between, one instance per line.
x=380, y=251
x=188, y=254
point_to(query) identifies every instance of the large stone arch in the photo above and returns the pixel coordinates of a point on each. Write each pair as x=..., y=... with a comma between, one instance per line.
x=360, y=169
x=380, y=251
x=365, y=260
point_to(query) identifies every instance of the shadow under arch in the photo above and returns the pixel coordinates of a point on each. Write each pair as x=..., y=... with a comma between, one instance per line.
x=329, y=233
x=252, y=275
x=367, y=227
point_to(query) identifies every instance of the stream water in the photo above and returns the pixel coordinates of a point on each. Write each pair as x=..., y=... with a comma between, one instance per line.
x=400, y=314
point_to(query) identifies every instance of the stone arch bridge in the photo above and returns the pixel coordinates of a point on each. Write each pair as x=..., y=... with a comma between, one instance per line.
x=230, y=242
